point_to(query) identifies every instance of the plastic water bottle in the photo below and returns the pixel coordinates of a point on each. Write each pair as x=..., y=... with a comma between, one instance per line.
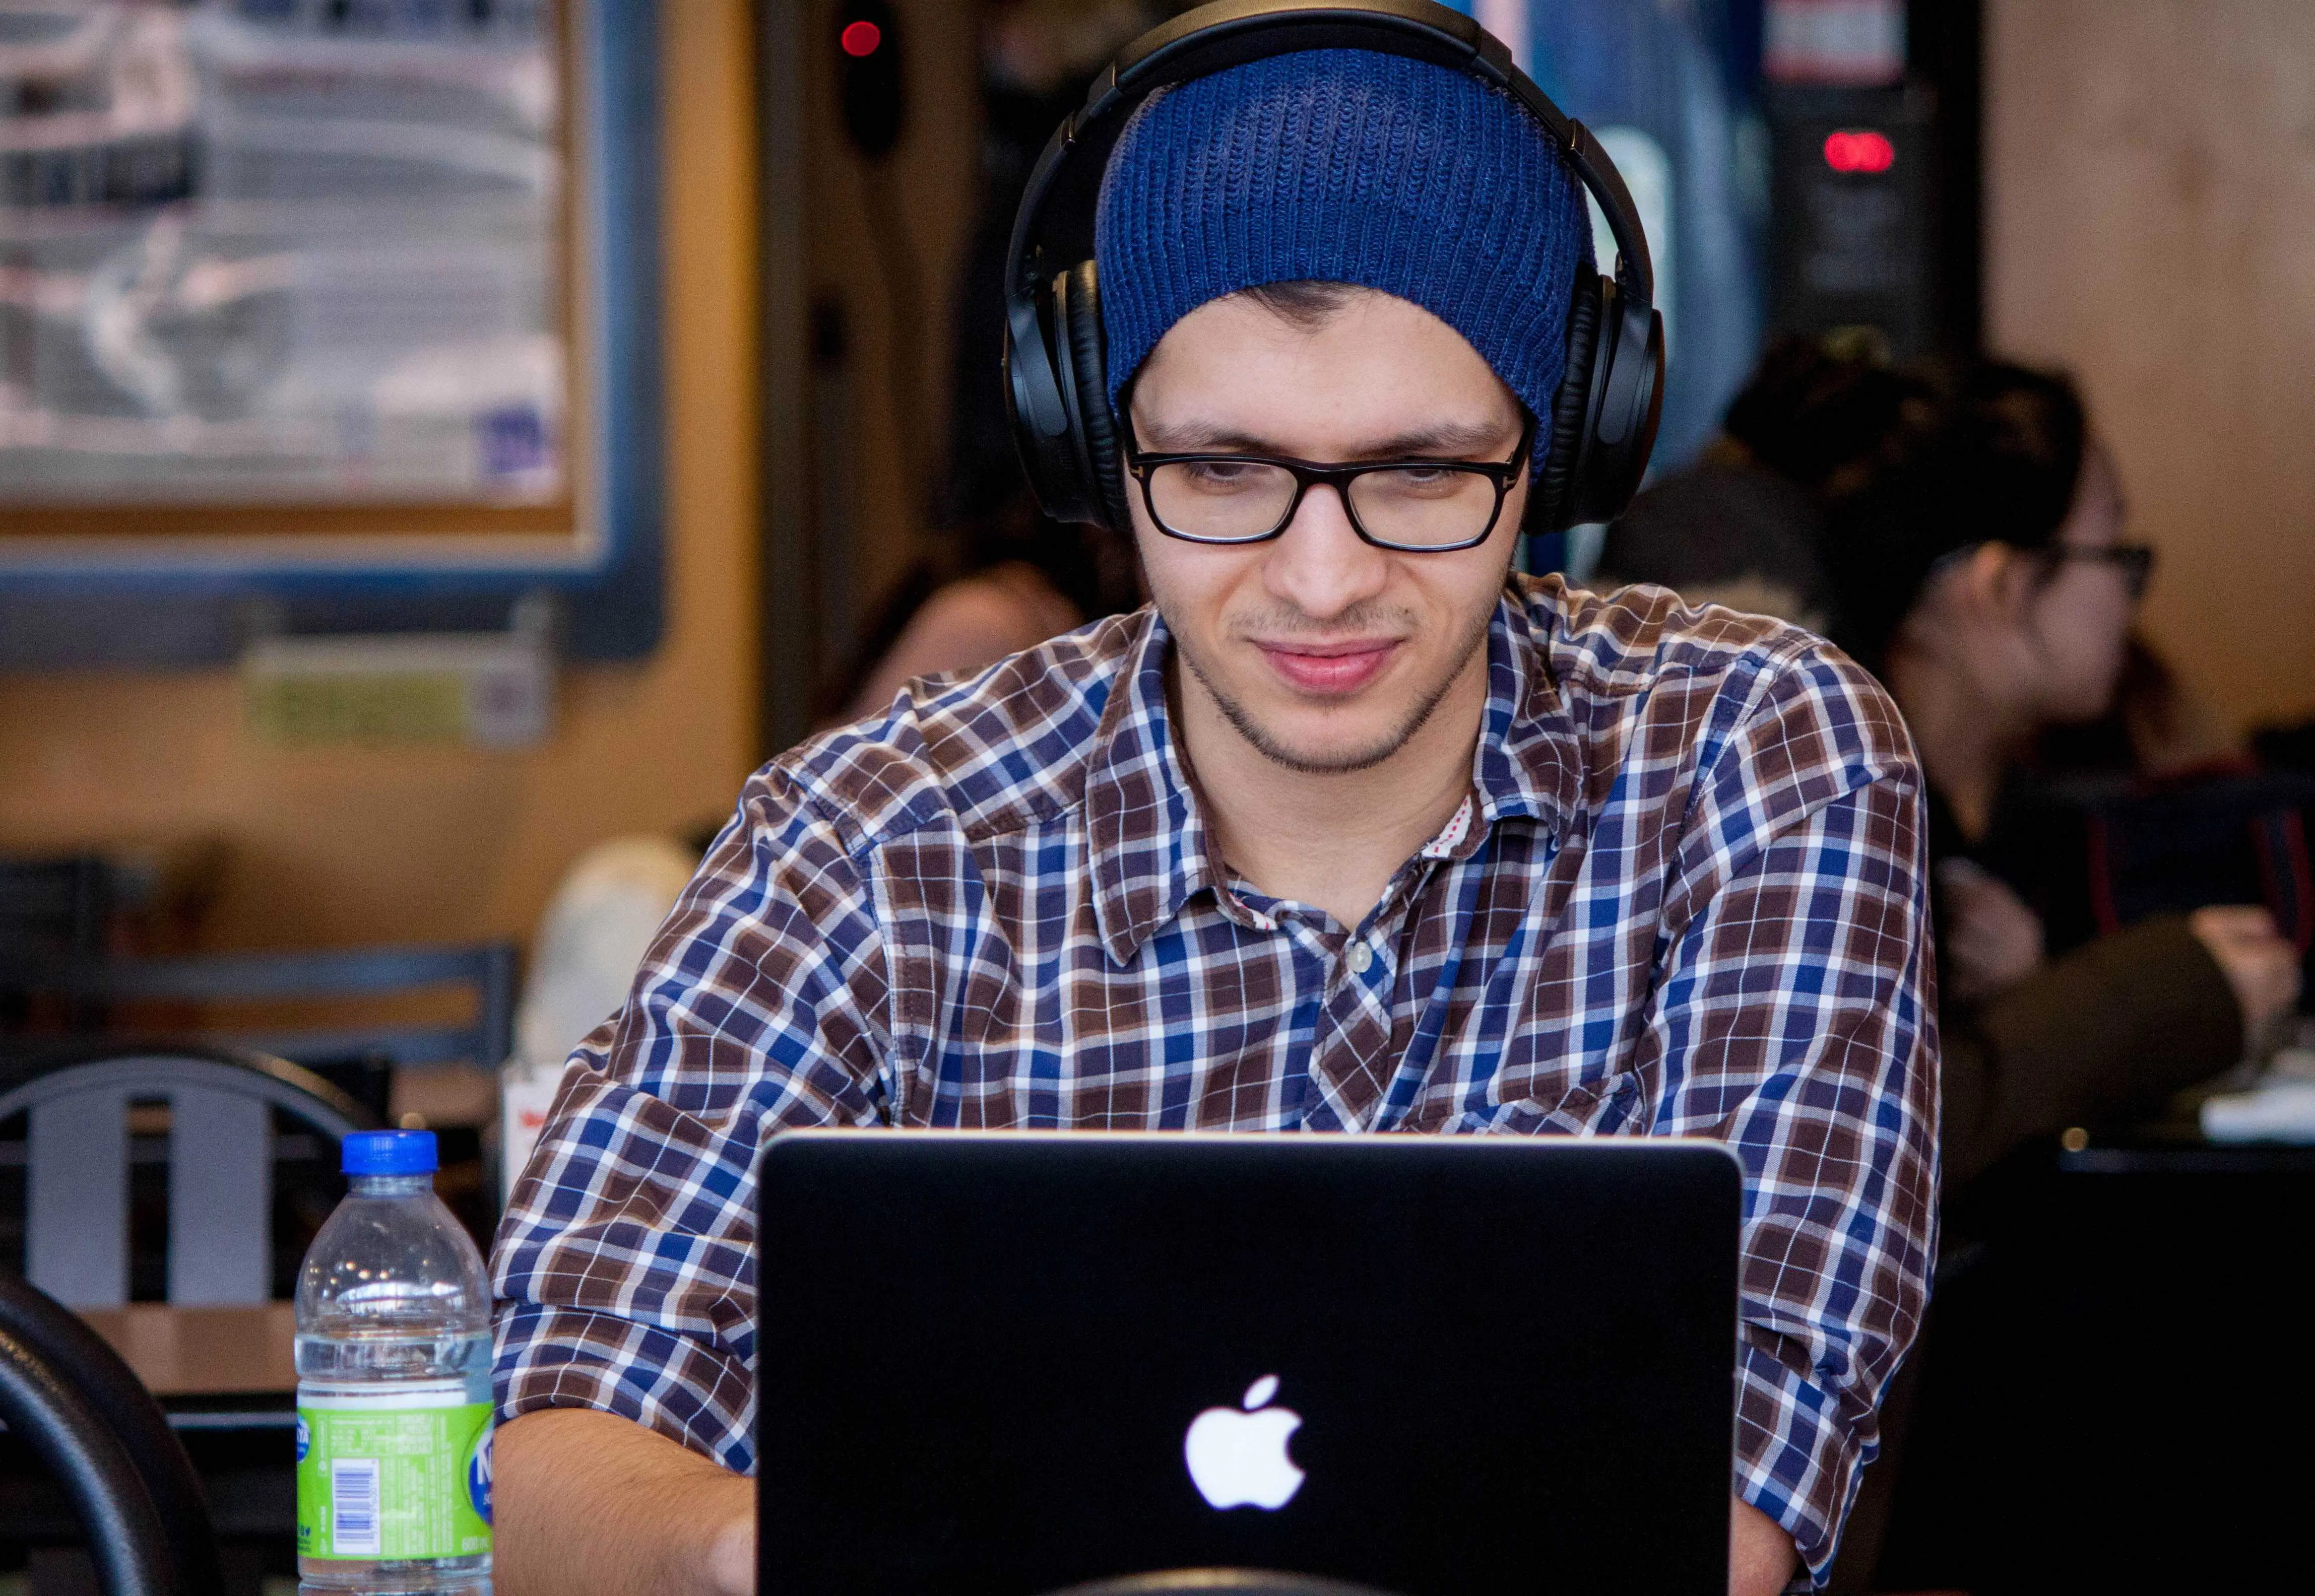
x=393, y=1385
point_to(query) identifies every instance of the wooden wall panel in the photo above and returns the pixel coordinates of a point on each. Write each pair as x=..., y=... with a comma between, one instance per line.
x=2151, y=223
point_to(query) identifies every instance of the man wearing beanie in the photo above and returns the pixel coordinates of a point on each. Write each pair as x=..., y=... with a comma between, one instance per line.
x=1353, y=830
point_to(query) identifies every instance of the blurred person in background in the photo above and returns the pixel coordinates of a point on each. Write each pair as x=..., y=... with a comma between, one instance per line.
x=1975, y=560
x=1960, y=533
x=1724, y=531
x=1744, y=525
x=1002, y=584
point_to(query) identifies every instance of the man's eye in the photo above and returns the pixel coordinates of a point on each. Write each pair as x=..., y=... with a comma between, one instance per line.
x=1224, y=475
x=1422, y=482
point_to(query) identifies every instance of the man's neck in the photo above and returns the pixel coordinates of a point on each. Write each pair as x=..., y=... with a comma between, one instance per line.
x=1332, y=840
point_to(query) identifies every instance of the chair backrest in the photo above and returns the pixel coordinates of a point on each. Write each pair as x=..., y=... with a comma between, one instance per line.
x=1220, y=1581
x=486, y=968
x=80, y=1360
x=221, y=1107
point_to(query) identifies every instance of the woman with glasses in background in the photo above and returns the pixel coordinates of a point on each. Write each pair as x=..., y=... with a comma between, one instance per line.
x=1973, y=549
x=1966, y=536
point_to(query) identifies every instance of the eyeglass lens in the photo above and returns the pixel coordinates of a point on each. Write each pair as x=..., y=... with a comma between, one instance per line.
x=2138, y=568
x=2135, y=561
x=1231, y=500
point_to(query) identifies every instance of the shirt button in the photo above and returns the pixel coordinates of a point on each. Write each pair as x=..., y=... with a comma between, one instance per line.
x=1361, y=956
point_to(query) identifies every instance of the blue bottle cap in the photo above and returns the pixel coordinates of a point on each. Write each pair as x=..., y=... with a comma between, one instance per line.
x=387, y=1152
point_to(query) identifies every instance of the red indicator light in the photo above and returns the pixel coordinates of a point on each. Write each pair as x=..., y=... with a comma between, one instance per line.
x=1859, y=150
x=861, y=38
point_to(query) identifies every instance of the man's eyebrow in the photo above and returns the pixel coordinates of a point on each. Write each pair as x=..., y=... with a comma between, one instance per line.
x=1442, y=440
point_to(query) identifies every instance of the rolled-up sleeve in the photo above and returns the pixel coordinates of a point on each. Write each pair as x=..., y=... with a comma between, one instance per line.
x=1794, y=1021
x=625, y=1266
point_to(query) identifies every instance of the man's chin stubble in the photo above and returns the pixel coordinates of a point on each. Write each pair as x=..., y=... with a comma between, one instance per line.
x=1260, y=739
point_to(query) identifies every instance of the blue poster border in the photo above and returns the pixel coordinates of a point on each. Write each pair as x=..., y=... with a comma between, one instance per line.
x=69, y=613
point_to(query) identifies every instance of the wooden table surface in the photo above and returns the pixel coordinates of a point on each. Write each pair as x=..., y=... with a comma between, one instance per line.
x=203, y=1352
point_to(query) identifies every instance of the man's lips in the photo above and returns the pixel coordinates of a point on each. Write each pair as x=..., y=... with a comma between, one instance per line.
x=1330, y=667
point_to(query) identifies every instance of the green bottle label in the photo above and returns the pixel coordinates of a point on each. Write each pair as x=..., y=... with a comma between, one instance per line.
x=394, y=1472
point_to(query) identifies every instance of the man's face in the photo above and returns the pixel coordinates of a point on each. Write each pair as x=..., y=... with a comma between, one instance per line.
x=1323, y=651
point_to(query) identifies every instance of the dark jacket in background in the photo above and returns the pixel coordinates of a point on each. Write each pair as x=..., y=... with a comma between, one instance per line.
x=2108, y=1031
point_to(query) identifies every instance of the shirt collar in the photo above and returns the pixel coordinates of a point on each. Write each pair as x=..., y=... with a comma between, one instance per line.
x=1529, y=760
x=1147, y=838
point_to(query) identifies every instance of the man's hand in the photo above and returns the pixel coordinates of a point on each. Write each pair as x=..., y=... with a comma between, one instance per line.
x=1760, y=1555
x=2261, y=967
x=588, y=1502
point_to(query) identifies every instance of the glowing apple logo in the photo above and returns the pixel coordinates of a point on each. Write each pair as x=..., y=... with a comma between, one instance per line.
x=1236, y=1458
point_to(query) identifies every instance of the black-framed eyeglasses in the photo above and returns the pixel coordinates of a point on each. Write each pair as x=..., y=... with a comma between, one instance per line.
x=2135, y=561
x=1411, y=506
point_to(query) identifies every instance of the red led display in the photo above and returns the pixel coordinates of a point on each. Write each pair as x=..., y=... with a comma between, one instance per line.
x=1860, y=149
x=860, y=38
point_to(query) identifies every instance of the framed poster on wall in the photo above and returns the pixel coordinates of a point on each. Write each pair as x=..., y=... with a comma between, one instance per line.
x=325, y=315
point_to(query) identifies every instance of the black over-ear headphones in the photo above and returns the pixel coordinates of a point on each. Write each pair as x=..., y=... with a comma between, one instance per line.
x=1595, y=442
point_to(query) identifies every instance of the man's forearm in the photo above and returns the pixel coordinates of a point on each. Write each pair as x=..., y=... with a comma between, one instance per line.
x=586, y=1501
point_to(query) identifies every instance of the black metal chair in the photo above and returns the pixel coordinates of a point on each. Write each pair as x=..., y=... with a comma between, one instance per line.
x=81, y=1362
x=1222, y=1582
x=221, y=1152
x=43, y=1407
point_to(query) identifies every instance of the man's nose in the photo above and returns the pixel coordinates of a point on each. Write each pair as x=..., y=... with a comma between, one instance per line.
x=1320, y=564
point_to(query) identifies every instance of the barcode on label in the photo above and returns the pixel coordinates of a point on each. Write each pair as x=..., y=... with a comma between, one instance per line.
x=353, y=1507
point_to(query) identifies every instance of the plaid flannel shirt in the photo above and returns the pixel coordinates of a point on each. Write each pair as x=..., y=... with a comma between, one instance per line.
x=1684, y=896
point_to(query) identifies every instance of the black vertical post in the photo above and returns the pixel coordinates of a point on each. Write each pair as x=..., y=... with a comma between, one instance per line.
x=788, y=653
x=1945, y=45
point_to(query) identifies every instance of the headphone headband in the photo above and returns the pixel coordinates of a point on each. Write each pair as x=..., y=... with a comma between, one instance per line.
x=1602, y=432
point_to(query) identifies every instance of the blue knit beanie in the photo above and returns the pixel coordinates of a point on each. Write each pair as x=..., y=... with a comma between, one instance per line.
x=1351, y=166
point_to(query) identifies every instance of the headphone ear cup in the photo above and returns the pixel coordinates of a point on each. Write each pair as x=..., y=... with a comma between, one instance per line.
x=1087, y=354
x=1041, y=403
x=1630, y=385
x=1570, y=432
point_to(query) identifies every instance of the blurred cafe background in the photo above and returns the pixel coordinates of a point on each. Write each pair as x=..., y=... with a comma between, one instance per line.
x=446, y=445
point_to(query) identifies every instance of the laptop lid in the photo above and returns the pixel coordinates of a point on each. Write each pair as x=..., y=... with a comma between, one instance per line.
x=1442, y=1366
